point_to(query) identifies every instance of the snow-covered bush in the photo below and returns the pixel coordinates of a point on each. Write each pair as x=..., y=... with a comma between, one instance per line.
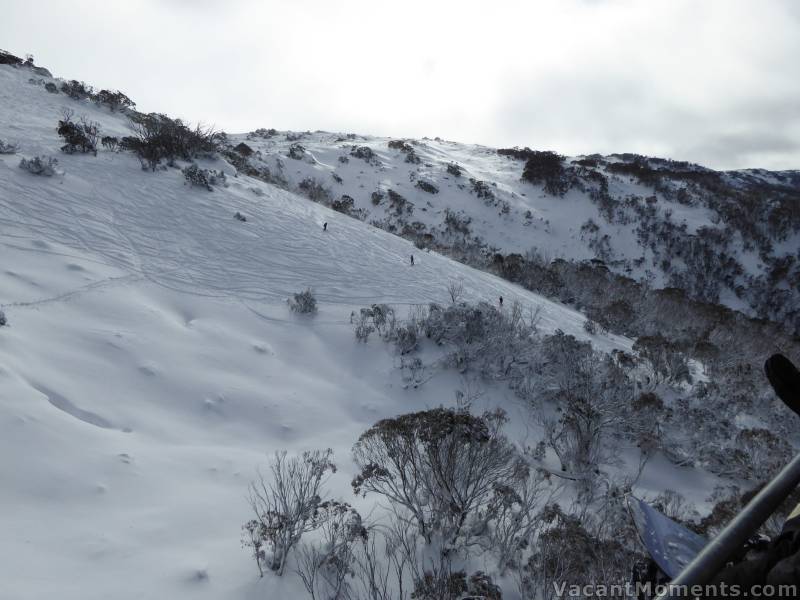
x=110, y=142
x=314, y=190
x=568, y=554
x=344, y=205
x=39, y=165
x=79, y=137
x=286, y=505
x=3, y=320
x=327, y=566
x=362, y=324
x=156, y=137
x=51, y=87
x=366, y=154
x=546, y=168
x=77, y=90
x=453, y=473
x=454, y=169
x=481, y=189
x=666, y=361
x=115, y=100
x=296, y=151
x=262, y=132
x=243, y=149
x=8, y=147
x=594, y=395
x=303, y=302
x=590, y=327
x=427, y=186
x=203, y=177
x=399, y=204
x=6, y=58
x=456, y=222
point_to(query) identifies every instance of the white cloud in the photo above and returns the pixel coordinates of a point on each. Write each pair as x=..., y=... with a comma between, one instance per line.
x=714, y=82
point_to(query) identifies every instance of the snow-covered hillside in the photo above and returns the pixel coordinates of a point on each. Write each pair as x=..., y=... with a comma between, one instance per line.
x=722, y=237
x=151, y=364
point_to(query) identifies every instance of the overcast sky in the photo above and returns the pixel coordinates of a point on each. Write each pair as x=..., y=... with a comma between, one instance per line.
x=714, y=82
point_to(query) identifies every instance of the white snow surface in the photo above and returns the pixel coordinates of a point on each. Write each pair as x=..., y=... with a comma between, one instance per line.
x=151, y=363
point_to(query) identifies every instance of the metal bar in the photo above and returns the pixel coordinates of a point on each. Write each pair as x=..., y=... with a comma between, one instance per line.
x=717, y=552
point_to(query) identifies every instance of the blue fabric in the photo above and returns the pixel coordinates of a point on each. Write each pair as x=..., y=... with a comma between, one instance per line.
x=670, y=544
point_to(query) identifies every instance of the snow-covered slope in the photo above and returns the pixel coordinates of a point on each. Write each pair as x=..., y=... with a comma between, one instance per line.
x=728, y=237
x=151, y=363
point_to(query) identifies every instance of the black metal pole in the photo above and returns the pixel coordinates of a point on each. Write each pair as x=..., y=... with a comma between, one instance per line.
x=717, y=552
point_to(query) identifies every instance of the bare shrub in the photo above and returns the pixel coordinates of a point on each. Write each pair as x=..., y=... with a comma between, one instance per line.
x=455, y=289
x=286, y=506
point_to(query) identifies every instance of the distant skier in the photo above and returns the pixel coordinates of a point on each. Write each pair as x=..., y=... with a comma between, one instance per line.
x=501, y=302
x=325, y=226
x=412, y=260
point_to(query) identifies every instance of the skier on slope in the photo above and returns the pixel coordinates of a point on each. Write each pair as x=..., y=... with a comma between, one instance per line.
x=412, y=260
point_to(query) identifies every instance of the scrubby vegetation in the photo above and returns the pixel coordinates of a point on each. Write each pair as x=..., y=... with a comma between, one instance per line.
x=366, y=154
x=314, y=190
x=110, y=142
x=39, y=165
x=8, y=148
x=205, y=178
x=79, y=136
x=427, y=186
x=114, y=100
x=304, y=303
x=77, y=90
x=157, y=137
